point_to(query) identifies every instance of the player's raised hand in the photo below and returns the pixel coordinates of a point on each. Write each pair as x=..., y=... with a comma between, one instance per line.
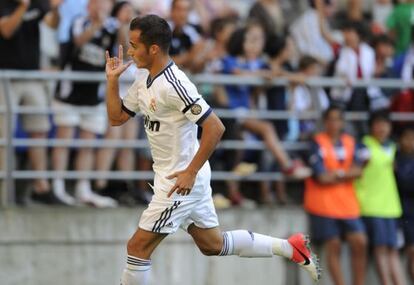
x=184, y=183
x=115, y=65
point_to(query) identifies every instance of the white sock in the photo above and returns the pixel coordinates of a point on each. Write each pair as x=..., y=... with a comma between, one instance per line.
x=248, y=244
x=83, y=188
x=60, y=192
x=137, y=271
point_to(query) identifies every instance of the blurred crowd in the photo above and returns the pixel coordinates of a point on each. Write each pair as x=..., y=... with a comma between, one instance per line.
x=352, y=170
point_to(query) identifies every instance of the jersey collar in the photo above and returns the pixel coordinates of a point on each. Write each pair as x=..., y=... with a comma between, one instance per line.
x=150, y=81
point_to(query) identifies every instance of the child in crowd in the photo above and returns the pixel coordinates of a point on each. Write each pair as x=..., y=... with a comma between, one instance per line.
x=306, y=99
x=245, y=49
x=404, y=172
x=378, y=198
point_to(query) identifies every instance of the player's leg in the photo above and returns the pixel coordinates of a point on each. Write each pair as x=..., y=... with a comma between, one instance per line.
x=358, y=245
x=202, y=225
x=162, y=217
x=140, y=248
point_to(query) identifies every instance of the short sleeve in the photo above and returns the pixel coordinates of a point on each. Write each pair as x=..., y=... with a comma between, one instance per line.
x=316, y=160
x=130, y=101
x=183, y=96
x=362, y=154
x=78, y=26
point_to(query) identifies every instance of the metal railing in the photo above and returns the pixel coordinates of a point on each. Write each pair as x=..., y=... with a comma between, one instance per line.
x=8, y=142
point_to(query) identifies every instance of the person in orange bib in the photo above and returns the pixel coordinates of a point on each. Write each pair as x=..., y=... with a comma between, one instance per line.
x=330, y=197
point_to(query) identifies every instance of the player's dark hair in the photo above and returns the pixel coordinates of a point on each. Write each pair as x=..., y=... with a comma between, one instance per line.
x=154, y=31
x=307, y=61
x=331, y=109
x=379, y=116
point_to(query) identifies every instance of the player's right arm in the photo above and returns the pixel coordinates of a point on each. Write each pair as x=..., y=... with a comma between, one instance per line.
x=114, y=68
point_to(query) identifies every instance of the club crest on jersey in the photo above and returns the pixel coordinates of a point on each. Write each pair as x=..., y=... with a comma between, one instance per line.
x=196, y=109
x=153, y=105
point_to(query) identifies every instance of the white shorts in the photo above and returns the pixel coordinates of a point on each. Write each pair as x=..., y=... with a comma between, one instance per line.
x=166, y=215
x=69, y=116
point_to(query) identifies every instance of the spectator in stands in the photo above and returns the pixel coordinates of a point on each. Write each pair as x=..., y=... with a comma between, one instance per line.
x=20, y=49
x=92, y=35
x=307, y=99
x=399, y=25
x=404, y=172
x=381, y=10
x=215, y=48
x=403, y=101
x=307, y=34
x=186, y=40
x=384, y=53
x=330, y=197
x=356, y=60
x=68, y=11
x=245, y=58
x=124, y=157
x=269, y=15
x=378, y=198
x=208, y=10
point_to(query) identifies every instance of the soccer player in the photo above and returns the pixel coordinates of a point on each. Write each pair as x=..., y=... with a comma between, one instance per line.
x=172, y=109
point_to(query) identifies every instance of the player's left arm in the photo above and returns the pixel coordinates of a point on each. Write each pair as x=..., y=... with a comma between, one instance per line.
x=213, y=130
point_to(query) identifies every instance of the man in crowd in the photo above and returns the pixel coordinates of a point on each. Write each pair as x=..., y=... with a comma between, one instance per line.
x=20, y=49
x=330, y=197
x=91, y=36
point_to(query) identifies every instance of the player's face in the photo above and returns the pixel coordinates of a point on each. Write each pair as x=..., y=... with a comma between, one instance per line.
x=334, y=123
x=138, y=51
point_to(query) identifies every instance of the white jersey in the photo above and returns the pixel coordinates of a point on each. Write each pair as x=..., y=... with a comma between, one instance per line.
x=172, y=108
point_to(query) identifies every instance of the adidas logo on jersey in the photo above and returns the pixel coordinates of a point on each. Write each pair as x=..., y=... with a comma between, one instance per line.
x=170, y=225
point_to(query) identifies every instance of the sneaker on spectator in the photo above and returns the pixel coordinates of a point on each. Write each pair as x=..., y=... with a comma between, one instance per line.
x=245, y=169
x=63, y=196
x=48, y=198
x=297, y=170
x=85, y=195
x=221, y=202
